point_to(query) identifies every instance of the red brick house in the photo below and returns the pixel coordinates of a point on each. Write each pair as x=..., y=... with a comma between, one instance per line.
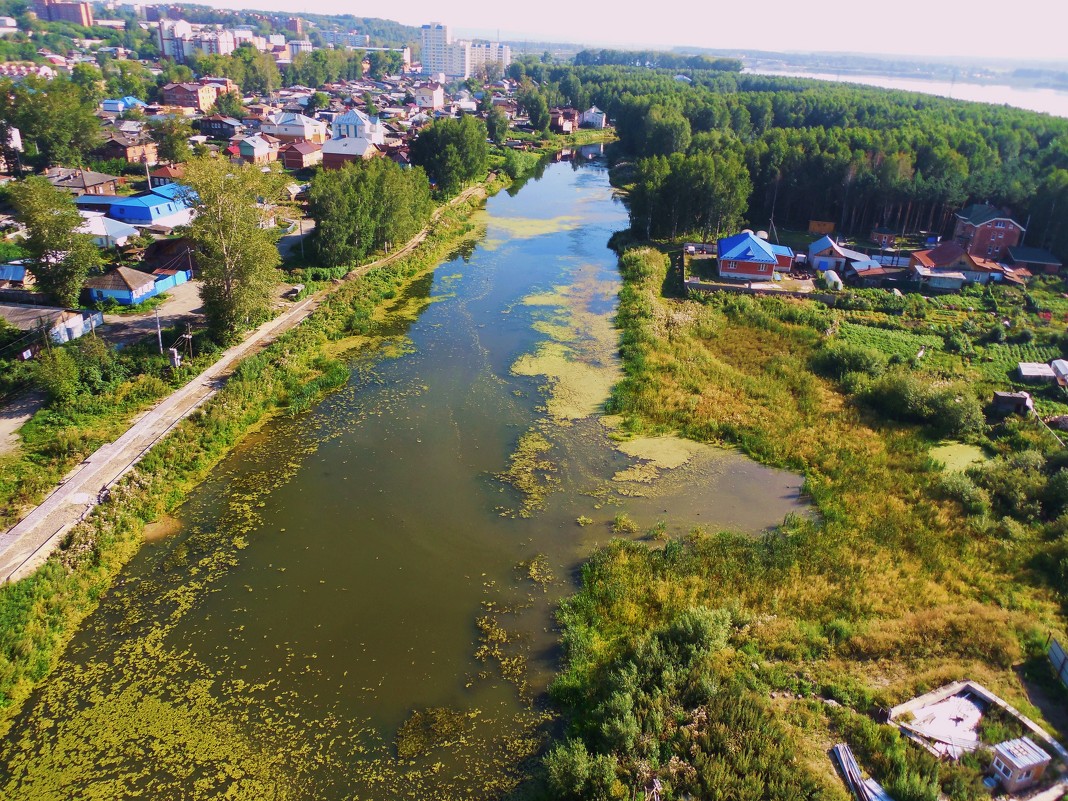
x=986, y=231
x=300, y=155
x=190, y=95
x=745, y=256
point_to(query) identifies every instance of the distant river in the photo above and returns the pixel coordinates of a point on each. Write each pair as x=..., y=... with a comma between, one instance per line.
x=1049, y=101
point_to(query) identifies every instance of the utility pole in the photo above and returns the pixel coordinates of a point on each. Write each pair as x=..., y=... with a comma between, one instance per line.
x=159, y=333
x=300, y=223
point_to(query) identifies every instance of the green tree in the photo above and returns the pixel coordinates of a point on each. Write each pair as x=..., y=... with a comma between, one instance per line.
x=57, y=122
x=238, y=257
x=171, y=135
x=229, y=104
x=60, y=256
x=453, y=152
x=497, y=124
x=317, y=101
x=57, y=374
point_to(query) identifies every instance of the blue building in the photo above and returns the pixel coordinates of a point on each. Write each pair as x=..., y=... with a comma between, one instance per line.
x=126, y=286
x=161, y=205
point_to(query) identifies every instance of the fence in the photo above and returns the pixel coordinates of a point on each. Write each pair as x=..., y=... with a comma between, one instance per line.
x=1059, y=659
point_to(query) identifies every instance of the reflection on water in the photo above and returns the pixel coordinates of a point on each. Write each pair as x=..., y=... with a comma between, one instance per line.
x=347, y=567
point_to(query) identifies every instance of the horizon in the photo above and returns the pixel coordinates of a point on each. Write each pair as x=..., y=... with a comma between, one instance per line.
x=734, y=28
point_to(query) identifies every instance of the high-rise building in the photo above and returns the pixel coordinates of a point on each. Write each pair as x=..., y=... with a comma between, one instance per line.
x=351, y=40
x=295, y=25
x=55, y=11
x=458, y=58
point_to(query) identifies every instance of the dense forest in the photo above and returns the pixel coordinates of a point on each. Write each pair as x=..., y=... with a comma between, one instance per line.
x=853, y=156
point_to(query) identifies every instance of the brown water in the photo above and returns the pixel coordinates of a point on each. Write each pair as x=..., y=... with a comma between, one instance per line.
x=328, y=578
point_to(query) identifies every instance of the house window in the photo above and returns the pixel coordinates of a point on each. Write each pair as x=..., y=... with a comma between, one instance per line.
x=999, y=224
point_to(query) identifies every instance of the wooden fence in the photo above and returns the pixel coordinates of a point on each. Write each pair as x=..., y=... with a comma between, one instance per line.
x=1059, y=659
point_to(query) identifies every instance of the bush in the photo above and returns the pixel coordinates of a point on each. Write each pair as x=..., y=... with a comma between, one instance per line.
x=950, y=411
x=958, y=487
x=837, y=359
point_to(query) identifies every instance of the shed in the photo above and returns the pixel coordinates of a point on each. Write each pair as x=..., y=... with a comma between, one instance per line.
x=1036, y=373
x=1012, y=403
x=1019, y=763
x=1060, y=370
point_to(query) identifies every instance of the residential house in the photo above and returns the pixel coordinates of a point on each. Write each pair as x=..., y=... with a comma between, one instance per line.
x=826, y=254
x=258, y=149
x=949, y=266
x=131, y=148
x=222, y=85
x=354, y=124
x=593, y=117
x=121, y=105
x=106, y=232
x=563, y=120
x=983, y=230
x=218, y=126
x=123, y=285
x=62, y=325
x=884, y=237
x=169, y=174
x=200, y=97
x=165, y=206
x=82, y=182
x=290, y=127
x=300, y=155
x=1034, y=260
x=745, y=256
x=429, y=96
x=1019, y=763
x=339, y=152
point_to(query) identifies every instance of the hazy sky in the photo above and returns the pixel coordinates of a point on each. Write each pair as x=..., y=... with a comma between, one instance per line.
x=1030, y=29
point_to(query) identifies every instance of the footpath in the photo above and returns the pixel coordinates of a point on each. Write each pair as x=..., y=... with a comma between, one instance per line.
x=26, y=545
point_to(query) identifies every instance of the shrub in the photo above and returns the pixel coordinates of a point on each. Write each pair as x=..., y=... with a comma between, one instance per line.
x=960, y=488
x=837, y=359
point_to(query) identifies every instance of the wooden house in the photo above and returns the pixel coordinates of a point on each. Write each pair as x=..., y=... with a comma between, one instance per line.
x=1019, y=763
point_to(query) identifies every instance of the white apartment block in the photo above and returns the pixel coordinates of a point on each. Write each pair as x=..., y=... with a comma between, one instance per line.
x=178, y=40
x=458, y=58
x=350, y=40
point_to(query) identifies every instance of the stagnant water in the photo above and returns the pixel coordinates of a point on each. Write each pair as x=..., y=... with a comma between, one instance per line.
x=398, y=548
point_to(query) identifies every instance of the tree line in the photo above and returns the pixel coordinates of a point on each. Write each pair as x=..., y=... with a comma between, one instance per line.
x=855, y=156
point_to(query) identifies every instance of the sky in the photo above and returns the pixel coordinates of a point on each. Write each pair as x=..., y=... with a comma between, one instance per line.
x=910, y=27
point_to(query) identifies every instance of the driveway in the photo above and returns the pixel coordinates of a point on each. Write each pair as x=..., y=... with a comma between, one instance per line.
x=183, y=305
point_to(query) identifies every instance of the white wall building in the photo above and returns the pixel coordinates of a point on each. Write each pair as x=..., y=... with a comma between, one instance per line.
x=354, y=124
x=459, y=58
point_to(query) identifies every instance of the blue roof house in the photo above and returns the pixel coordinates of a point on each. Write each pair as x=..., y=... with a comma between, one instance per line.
x=745, y=256
x=161, y=205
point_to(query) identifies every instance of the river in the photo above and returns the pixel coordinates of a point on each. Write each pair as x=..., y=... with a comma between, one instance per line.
x=1048, y=101
x=358, y=601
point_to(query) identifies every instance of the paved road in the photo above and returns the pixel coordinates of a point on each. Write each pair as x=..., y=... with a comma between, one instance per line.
x=27, y=544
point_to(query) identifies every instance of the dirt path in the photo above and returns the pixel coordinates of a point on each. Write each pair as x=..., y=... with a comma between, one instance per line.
x=27, y=544
x=14, y=414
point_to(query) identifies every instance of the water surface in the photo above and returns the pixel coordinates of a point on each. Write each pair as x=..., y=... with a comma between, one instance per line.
x=398, y=548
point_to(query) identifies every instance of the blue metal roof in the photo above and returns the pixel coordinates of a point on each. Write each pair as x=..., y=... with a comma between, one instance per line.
x=745, y=247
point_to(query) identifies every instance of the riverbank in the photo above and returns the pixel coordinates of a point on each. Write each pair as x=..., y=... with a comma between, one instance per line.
x=789, y=641
x=40, y=613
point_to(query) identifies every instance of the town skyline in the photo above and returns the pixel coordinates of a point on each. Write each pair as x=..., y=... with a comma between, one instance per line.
x=916, y=29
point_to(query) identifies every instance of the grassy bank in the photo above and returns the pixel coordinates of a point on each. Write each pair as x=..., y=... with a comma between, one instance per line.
x=39, y=614
x=726, y=665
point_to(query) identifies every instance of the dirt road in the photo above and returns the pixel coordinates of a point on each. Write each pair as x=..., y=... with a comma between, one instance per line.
x=27, y=544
